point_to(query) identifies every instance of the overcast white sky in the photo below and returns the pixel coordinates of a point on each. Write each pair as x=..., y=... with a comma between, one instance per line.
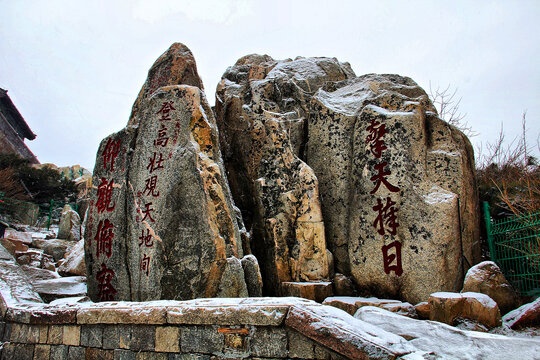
x=74, y=68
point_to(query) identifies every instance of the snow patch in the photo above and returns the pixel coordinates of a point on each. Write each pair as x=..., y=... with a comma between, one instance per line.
x=446, y=153
x=438, y=195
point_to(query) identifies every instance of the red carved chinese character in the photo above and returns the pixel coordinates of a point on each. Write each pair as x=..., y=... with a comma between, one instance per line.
x=162, y=139
x=374, y=139
x=146, y=240
x=380, y=178
x=145, y=264
x=146, y=212
x=104, y=194
x=104, y=278
x=151, y=184
x=165, y=109
x=110, y=153
x=155, y=163
x=104, y=238
x=386, y=218
x=388, y=259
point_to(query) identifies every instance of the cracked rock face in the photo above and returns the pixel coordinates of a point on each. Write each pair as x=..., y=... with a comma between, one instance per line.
x=393, y=183
x=161, y=224
x=261, y=112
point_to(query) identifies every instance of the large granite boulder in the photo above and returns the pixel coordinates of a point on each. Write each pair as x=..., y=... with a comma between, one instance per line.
x=161, y=224
x=398, y=197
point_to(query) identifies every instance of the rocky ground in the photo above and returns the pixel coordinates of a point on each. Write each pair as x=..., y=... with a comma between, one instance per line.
x=466, y=325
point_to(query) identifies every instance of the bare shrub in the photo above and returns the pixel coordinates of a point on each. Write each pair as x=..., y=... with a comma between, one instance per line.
x=509, y=176
x=447, y=106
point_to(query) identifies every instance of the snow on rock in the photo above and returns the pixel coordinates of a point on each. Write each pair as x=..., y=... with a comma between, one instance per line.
x=74, y=261
x=526, y=315
x=346, y=335
x=447, y=307
x=438, y=195
x=446, y=342
x=487, y=278
x=51, y=289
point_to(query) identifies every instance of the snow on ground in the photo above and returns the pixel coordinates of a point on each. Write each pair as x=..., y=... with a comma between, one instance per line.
x=447, y=342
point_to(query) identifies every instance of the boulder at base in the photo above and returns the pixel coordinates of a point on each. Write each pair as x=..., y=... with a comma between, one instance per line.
x=70, y=225
x=394, y=180
x=487, y=278
x=161, y=224
x=450, y=308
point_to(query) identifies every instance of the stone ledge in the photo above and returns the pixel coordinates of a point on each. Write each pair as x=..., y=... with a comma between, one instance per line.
x=123, y=313
x=338, y=331
x=42, y=314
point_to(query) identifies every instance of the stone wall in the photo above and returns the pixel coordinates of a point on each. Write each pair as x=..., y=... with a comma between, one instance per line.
x=219, y=328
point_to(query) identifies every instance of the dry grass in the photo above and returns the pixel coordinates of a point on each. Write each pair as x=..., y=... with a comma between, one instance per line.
x=509, y=176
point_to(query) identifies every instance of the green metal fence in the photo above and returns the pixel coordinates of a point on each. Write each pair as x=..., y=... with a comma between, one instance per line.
x=514, y=244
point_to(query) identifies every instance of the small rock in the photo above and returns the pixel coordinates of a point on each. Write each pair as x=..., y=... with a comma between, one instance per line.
x=343, y=285
x=487, y=278
x=317, y=291
x=401, y=308
x=30, y=257
x=13, y=246
x=446, y=307
x=73, y=263
x=24, y=237
x=232, y=282
x=56, y=248
x=52, y=289
x=470, y=325
x=252, y=274
x=524, y=316
x=422, y=309
x=70, y=225
x=345, y=303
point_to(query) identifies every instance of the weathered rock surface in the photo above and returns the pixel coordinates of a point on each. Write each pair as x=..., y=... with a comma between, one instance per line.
x=23, y=237
x=343, y=285
x=441, y=341
x=74, y=261
x=252, y=274
x=487, y=278
x=70, y=225
x=351, y=304
x=162, y=224
x=52, y=289
x=389, y=170
x=56, y=248
x=13, y=246
x=174, y=67
x=449, y=308
x=524, y=316
x=423, y=310
x=260, y=109
x=36, y=274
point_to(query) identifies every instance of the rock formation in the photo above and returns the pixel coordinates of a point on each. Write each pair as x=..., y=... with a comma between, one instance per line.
x=161, y=224
x=261, y=112
x=398, y=202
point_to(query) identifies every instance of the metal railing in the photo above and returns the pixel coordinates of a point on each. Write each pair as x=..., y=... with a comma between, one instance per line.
x=514, y=244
